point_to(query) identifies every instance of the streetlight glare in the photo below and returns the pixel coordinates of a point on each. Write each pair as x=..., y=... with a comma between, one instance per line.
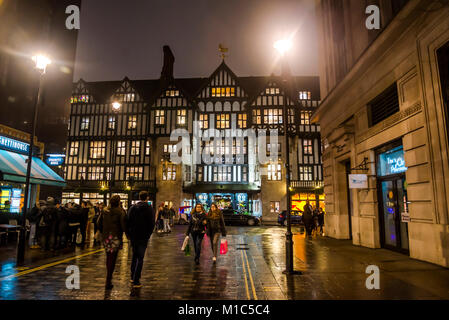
x=41, y=62
x=282, y=46
x=116, y=106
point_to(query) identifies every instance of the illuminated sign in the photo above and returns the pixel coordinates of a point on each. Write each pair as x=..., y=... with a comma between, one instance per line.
x=14, y=145
x=55, y=159
x=391, y=162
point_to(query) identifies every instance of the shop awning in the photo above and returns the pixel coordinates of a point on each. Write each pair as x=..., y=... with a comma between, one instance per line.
x=13, y=168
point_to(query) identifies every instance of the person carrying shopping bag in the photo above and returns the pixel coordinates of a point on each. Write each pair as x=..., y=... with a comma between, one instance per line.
x=112, y=224
x=196, y=229
x=215, y=225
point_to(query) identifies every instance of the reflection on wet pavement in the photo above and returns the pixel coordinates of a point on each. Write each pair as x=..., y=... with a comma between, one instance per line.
x=252, y=269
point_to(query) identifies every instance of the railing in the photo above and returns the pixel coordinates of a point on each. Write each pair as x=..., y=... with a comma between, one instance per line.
x=306, y=184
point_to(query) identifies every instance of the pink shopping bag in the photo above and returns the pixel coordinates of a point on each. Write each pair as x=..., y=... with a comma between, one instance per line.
x=224, y=246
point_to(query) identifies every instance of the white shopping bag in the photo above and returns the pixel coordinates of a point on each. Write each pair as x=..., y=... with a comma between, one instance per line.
x=184, y=244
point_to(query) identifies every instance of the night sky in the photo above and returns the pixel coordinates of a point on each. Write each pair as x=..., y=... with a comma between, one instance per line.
x=125, y=38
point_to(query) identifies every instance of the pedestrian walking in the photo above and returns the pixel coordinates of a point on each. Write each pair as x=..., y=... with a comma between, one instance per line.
x=33, y=217
x=90, y=220
x=166, y=218
x=315, y=221
x=197, y=229
x=140, y=226
x=98, y=210
x=215, y=225
x=84, y=218
x=172, y=216
x=48, y=223
x=112, y=223
x=321, y=220
x=308, y=218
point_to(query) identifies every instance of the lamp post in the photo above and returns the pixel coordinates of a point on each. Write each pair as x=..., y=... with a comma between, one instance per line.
x=116, y=107
x=282, y=46
x=41, y=63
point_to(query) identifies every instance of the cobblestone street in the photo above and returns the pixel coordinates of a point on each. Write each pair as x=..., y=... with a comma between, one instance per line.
x=252, y=269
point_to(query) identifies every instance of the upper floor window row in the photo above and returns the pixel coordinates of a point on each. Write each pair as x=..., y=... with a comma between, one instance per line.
x=125, y=97
x=305, y=95
x=272, y=91
x=223, y=92
x=80, y=99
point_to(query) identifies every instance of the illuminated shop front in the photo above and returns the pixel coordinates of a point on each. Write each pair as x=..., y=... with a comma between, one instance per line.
x=299, y=200
x=239, y=201
x=393, y=201
x=13, y=168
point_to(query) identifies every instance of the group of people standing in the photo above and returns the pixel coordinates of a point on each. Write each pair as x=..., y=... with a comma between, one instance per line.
x=313, y=219
x=54, y=226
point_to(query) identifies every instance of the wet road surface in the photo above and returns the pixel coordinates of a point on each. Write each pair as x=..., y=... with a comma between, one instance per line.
x=252, y=269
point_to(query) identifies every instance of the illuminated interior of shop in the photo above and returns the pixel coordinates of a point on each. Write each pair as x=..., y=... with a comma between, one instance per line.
x=299, y=201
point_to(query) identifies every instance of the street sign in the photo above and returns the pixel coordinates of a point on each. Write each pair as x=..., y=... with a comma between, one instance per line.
x=358, y=181
x=405, y=217
x=55, y=160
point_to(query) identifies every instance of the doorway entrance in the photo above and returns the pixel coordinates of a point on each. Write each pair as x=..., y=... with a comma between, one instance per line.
x=393, y=201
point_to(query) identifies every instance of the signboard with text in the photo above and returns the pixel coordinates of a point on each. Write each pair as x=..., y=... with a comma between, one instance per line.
x=358, y=181
x=55, y=160
x=14, y=145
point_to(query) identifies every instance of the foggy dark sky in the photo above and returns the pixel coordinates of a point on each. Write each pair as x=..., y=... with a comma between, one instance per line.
x=121, y=38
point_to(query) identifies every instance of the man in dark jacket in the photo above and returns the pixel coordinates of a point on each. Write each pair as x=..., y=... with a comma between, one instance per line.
x=84, y=218
x=140, y=225
x=308, y=218
x=49, y=223
x=63, y=224
x=34, y=217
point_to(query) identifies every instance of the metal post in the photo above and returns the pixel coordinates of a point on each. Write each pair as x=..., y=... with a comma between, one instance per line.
x=22, y=235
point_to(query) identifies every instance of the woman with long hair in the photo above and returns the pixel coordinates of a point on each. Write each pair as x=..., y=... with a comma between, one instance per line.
x=215, y=225
x=112, y=224
x=197, y=229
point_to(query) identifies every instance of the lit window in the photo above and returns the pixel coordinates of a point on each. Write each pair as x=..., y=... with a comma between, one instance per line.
x=160, y=117
x=272, y=116
x=272, y=91
x=223, y=92
x=172, y=93
x=129, y=97
x=274, y=172
x=305, y=95
x=81, y=173
x=74, y=148
x=222, y=173
x=305, y=173
x=242, y=120
x=111, y=122
x=223, y=121
x=136, y=172
x=305, y=117
x=273, y=147
x=97, y=149
x=275, y=206
x=95, y=173
x=291, y=116
x=121, y=148
x=85, y=123
x=148, y=148
x=170, y=148
x=168, y=172
x=132, y=122
x=135, y=148
x=257, y=116
x=181, y=117
x=204, y=121
x=307, y=147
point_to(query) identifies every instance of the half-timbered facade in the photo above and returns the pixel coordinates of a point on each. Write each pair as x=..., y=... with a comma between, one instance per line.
x=128, y=150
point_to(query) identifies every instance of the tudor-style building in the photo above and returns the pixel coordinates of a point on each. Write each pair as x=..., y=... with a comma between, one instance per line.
x=106, y=147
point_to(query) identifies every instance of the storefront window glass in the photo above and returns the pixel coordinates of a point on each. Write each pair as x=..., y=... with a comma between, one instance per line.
x=391, y=162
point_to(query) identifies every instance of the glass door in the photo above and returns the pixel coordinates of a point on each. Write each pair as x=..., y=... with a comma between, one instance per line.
x=394, y=214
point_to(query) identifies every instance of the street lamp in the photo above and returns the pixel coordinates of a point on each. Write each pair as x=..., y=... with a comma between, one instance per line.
x=116, y=107
x=41, y=63
x=282, y=46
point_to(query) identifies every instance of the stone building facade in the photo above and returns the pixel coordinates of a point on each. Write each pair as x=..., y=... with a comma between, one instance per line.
x=384, y=115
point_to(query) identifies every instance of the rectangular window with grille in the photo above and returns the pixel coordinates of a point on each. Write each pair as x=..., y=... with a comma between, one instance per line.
x=135, y=148
x=97, y=149
x=136, y=172
x=111, y=122
x=384, y=105
x=307, y=147
x=305, y=173
x=223, y=121
x=181, y=117
x=132, y=122
x=305, y=117
x=121, y=148
x=204, y=121
x=272, y=116
x=241, y=121
x=148, y=148
x=160, y=117
x=257, y=116
x=74, y=148
x=274, y=172
x=85, y=123
x=95, y=173
x=168, y=172
x=82, y=173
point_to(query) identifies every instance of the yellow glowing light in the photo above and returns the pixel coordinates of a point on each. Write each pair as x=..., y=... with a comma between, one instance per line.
x=282, y=46
x=41, y=62
x=116, y=106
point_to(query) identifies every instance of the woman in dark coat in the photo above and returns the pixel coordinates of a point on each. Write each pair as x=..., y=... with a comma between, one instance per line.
x=197, y=229
x=215, y=225
x=112, y=224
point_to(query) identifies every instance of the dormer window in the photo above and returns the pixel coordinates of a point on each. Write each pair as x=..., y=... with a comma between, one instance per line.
x=172, y=93
x=223, y=92
x=305, y=95
x=272, y=91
